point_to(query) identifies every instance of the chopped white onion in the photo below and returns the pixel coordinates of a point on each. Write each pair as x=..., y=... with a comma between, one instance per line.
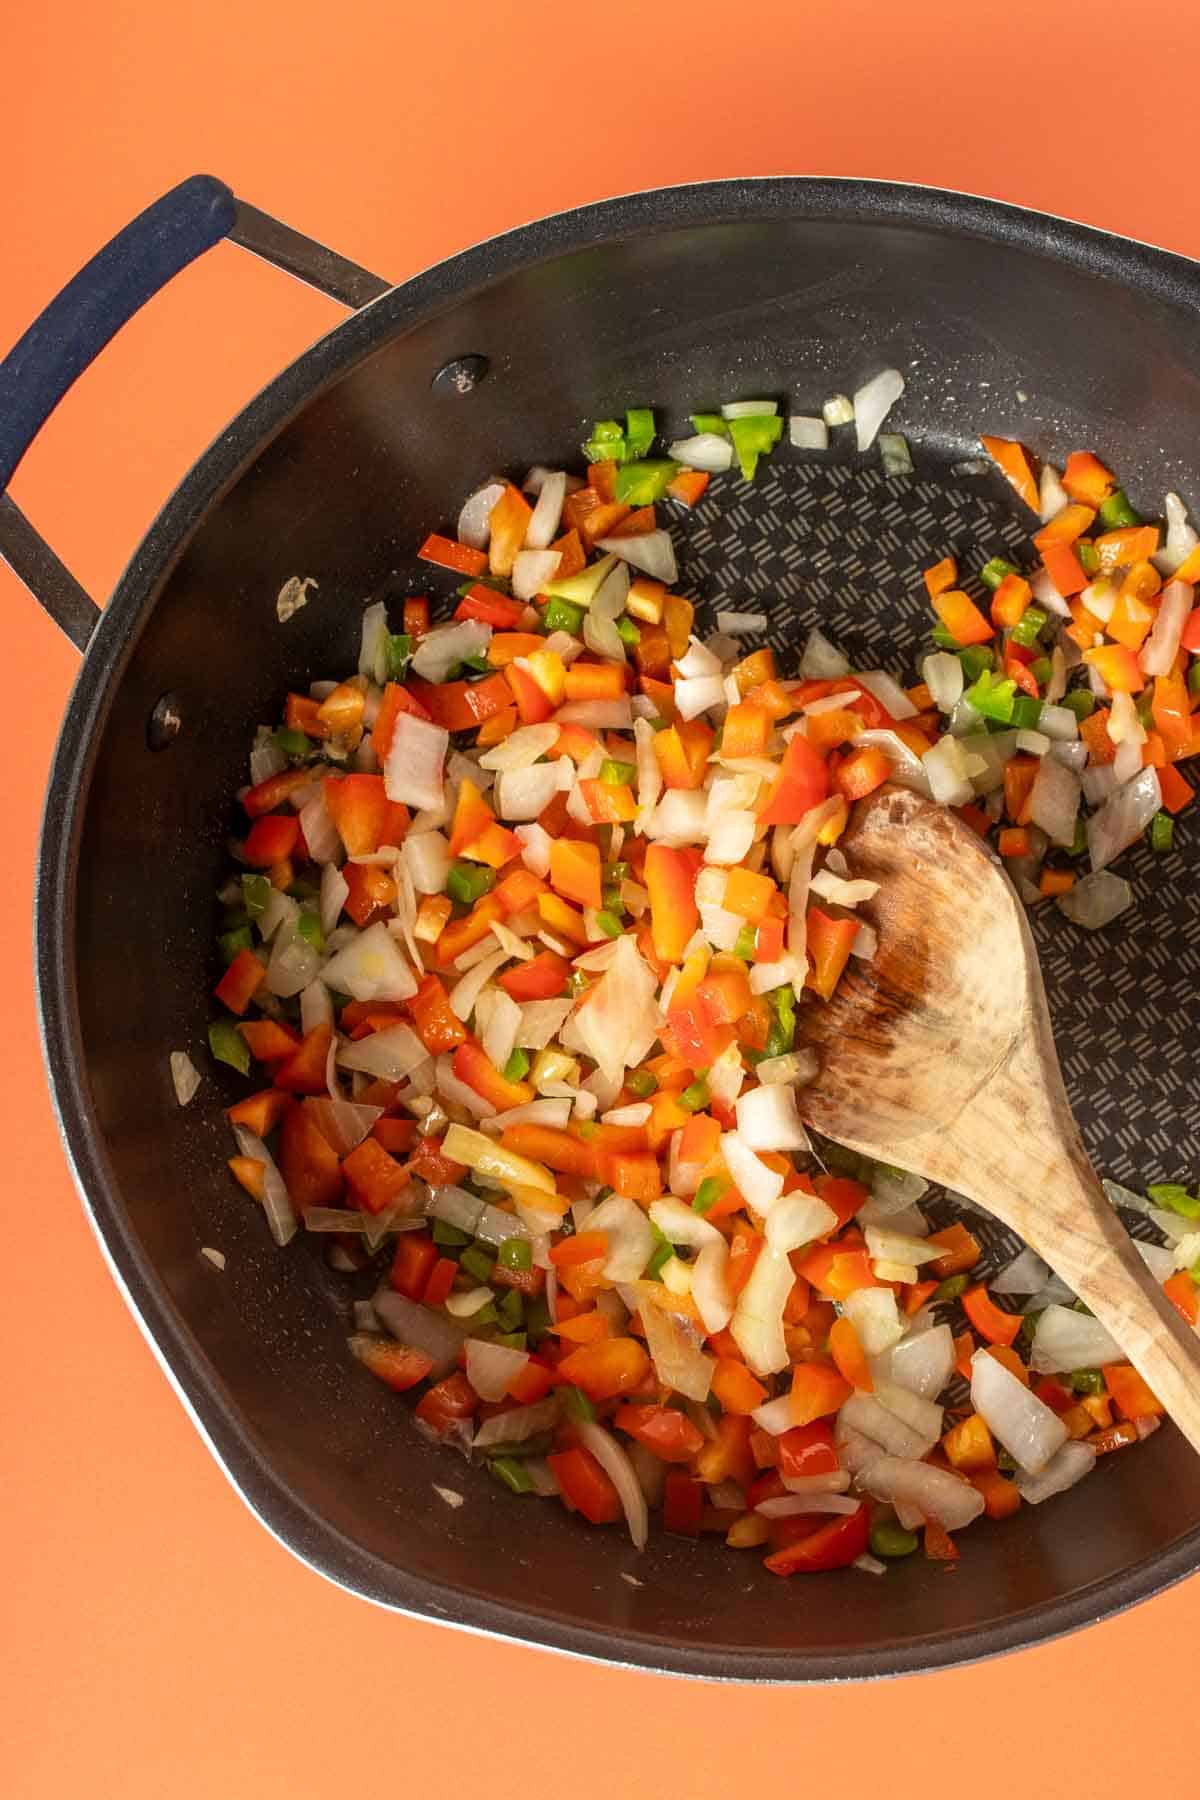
x=707, y=451
x=491, y=1368
x=1027, y=1274
x=532, y=571
x=370, y=968
x=875, y=1317
x=872, y=403
x=653, y=553
x=923, y=1362
x=543, y=526
x=523, y=794
x=948, y=770
x=630, y=1239
x=757, y=1322
x=887, y=690
x=865, y=1413
x=758, y=1185
x=1180, y=540
x=412, y=770
x=1123, y=817
x=597, y=715
x=678, y=1363
x=797, y=1219
x=767, y=1120
x=294, y=963
x=388, y=1055
x=710, y=1285
x=948, y=1500
x=1065, y=1468
x=907, y=767
x=943, y=676
x=185, y=1076
x=796, y=1066
x=474, y=521
x=1054, y=801
x=693, y=697
x=440, y=649
x=1066, y=1339
x=838, y=410
x=821, y=660
x=1159, y=651
x=1027, y=1428
x=1052, y=495
x=807, y=433
x=615, y=1462
x=276, y=1202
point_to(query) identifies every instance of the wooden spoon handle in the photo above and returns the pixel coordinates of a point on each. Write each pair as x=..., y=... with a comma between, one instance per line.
x=1089, y=1247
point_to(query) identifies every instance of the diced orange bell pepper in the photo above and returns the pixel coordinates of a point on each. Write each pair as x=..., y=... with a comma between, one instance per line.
x=634, y=1173
x=594, y=681
x=959, y=1251
x=860, y=772
x=736, y=1389
x=506, y=646
x=829, y=730
x=549, y=671
x=1119, y=668
x=242, y=980
x=843, y=1196
x=1128, y=544
x=250, y=1173
x=1175, y=790
x=1014, y=841
x=472, y=815
x=1130, y=1394
x=364, y=816
x=259, y=1113
x=829, y=944
x=267, y=1040
x=508, y=522
x=604, y=1370
x=477, y=1070
x=341, y=711
x=837, y=1270
x=1180, y=1290
x=747, y=730
x=308, y=1164
x=849, y=1357
x=968, y=1445
x=1001, y=1497
x=609, y=803
x=1010, y=601
x=1130, y=620
x=817, y=1391
x=272, y=792
x=533, y=703
x=670, y=877
x=989, y=1320
x=689, y=486
x=495, y=846
x=271, y=839
x=1084, y=626
x=464, y=934
x=1086, y=479
x=683, y=751
x=437, y=1025
x=701, y=1139
x=1066, y=527
x=374, y=1178
x=559, y=1150
x=584, y=1486
x=1171, y=708
x=575, y=871
x=749, y=895
x=302, y=713
x=1011, y=459
x=962, y=618
x=1064, y=568
x=635, y=524
x=461, y=705
x=563, y=920
x=941, y=576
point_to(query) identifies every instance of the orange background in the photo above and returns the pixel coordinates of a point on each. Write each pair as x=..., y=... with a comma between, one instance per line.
x=157, y=1642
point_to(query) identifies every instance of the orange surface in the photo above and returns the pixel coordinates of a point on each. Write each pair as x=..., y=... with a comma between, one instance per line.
x=136, y=1664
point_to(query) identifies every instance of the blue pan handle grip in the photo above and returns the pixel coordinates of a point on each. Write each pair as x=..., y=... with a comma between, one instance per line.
x=105, y=295
x=86, y=316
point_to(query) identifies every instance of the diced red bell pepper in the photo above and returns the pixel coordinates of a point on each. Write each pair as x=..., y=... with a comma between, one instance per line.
x=241, y=981
x=989, y=1320
x=584, y=1486
x=303, y=1072
x=833, y=1546
x=396, y=699
x=438, y=1026
x=309, y=1165
x=271, y=839
x=472, y=815
x=416, y=618
x=447, y=1402
x=802, y=782
x=398, y=1136
x=807, y=1450
x=413, y=1263
x=663, y=1430
x=683, y=1504
x=274, y=791
x=1171, y=708
x=447, y=553
x=441, y=1282
x=428, y=1163
x=1065, y=570
x=519, y=890
x=461, y=705
x=533, y=702
x=491, y=608
x=544, y=977
x=372, y=892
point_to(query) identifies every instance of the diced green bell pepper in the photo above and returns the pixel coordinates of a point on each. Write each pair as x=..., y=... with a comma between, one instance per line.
x=975, y=659
x=1028, y=627
x=517, y=1066
x=1116, y=511
x=467, y=882
x=992, y=697
x=228, y=1045
x=256, y=892
x=562, y=615
x=1080, y=701
x=642, y=483
x=710, y=422
x=1162, y=832
x=754, y=437
x=993, y=572
x=1175, y=1198
x=399, y=654
x=232, y=943
x=291, y=743
x=782, y=1033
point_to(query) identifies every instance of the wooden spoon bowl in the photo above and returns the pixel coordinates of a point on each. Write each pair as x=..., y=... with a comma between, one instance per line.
x=938, y=1057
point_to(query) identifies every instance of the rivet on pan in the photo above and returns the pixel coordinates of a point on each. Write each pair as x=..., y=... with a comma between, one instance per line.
x=461, y=375
x=163, y=725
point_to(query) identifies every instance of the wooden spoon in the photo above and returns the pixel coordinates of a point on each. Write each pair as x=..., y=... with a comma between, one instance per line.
x=937, y=1056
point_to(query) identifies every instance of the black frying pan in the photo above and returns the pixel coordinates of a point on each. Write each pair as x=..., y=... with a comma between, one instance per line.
x=1002, y=320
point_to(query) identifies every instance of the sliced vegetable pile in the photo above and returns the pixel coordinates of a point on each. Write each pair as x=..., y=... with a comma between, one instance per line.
x=523, y=915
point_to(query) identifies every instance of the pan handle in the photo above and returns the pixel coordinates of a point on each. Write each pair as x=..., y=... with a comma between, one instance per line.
x=80, y=321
